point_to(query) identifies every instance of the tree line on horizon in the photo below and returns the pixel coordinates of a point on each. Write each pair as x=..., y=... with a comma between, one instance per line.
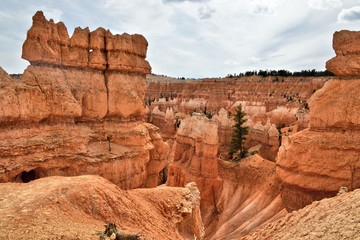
x=283, y=73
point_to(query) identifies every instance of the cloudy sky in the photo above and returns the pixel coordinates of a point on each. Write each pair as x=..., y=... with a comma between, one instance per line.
x=197, y=38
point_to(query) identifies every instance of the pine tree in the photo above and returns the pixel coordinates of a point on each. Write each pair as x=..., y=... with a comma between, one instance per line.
x=239, y=135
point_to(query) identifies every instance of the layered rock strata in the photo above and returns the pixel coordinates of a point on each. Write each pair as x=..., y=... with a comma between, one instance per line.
x=78, y=207
x=80, y=98
x=258, y=95
x=316, y=162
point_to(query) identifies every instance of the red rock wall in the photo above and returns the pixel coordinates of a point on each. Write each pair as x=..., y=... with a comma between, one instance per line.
x=55, y=120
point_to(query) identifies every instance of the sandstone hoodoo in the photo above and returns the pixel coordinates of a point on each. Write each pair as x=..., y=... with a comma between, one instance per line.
x=315, y=163
x=347, y=48
x=77, y=91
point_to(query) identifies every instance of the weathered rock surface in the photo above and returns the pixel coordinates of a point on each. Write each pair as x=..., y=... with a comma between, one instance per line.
x=77, y=207
x=332, y=218
x=195, y=158
x=56, y=118
x=347, y=48
x=236, y=198
x=49, y=43
x=266, y=137
x=316, y=162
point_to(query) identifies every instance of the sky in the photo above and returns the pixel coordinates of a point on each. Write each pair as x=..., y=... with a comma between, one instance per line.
x=197, y=38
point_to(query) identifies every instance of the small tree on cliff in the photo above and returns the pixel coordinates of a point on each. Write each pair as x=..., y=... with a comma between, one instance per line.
x=239, y=136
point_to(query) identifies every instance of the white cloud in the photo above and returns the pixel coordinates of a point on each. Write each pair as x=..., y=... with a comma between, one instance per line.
x=255, y=59
x=349, y=15
x=182, y=52
x=266, y=7
x=324, y=4
x=197, y=38
x=232, y=62
x=206, y=12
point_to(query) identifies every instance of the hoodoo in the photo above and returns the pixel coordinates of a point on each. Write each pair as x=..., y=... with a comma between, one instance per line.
x=77, y=91
x=315, y=163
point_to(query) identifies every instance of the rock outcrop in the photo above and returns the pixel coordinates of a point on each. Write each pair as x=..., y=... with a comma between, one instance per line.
x=78, y=207
x=316, y=162
x=347, y=48
x=79, y=97
x=236, y=198
x=195, y=158
x=265, y=138
x=49, y=43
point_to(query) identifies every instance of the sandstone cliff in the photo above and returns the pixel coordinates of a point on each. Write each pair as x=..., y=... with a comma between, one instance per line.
x=78, y=91
x=315, y=163
x=236, y=198
x=77, y=207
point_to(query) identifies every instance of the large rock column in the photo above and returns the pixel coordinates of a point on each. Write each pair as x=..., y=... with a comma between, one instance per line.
x=315, y=163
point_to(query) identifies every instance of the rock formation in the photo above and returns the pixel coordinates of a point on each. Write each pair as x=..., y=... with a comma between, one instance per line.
x=49, y=43
x=78, y=91
x=266, y=100
x=236, y=198
x=316, y=162
x=258, y=95
x=265, y=138
x=333, y=218
x=78, y=207
x=197, y=149
x=347, y=48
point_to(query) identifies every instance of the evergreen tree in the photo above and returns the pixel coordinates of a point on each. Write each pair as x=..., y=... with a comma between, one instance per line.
x=239, y=135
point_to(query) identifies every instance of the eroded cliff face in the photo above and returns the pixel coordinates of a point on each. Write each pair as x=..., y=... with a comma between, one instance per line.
x=78, y=91
x=236, y=198
x=77, y=207
x=315, y=163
